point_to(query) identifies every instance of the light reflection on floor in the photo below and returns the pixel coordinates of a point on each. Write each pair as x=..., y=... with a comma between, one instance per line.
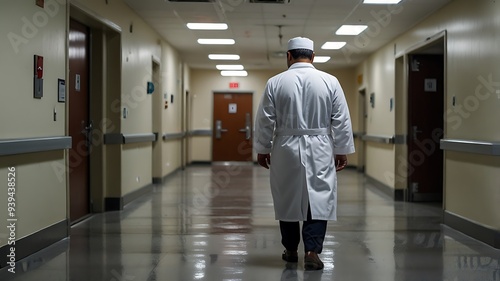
x=217, y=223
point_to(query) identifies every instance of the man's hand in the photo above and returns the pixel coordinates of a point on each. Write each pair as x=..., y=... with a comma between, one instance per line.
x=340, y=162
x=264, y=160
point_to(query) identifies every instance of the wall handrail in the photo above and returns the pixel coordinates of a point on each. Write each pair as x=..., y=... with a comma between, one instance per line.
x=33, y=145
x=173, y=136
x=200, y=132
x=119, y=138
x=378, y=138
x=471, y=146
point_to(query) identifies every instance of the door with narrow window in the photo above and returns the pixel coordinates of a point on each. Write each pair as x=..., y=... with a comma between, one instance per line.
x=232, y=127
x=80, y=126
x=425, y=127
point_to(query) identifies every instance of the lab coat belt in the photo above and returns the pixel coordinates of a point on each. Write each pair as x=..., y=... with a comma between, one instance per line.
x=303, y=132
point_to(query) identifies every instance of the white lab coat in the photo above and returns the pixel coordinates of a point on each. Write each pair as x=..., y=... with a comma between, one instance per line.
x=303, y=121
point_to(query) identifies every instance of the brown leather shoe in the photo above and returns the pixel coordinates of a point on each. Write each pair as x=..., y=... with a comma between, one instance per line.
x=290, y=256
x=312, y=261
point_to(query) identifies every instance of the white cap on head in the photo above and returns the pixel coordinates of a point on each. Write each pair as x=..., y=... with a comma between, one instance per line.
x=300, y=43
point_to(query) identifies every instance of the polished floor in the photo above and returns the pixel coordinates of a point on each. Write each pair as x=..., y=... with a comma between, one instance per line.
x=217, y=223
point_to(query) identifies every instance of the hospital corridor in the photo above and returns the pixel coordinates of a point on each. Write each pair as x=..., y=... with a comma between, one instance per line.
x=217, y=223
x=135, y=137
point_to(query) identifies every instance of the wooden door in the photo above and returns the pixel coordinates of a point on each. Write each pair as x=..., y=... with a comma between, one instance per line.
x=80, y=126
x=425, y=127
x=232, y=127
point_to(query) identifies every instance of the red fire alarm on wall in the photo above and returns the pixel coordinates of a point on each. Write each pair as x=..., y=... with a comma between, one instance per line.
x=38, y=77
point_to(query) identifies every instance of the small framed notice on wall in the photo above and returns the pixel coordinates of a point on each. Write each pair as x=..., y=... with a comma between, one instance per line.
x=233, y=108
x=61, y=90
x=430, y=85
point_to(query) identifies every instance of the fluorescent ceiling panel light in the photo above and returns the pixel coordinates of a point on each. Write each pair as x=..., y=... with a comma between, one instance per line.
x=233, y=73
x=204, y=41
x=207, y=26
x=381, y=2
x=348, y=29
x=333, y=45
x=223, y=57
x=321, y=59
x=230, y=67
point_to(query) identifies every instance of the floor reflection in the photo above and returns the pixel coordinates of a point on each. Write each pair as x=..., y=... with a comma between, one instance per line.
x=217, y=223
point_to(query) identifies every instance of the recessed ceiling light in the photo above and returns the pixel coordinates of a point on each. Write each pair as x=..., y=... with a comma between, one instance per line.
x=223, y=57
x=321, y=59
x=348, y=29
x=233, y=73
x=230, y=67
x=216, y=41
x=207, y=26
x=333, y=45
x=381, y=1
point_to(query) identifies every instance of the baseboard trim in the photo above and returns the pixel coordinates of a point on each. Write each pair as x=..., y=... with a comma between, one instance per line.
x=480, y=232
x=396, y=194
x=35, y=242
x=157, y=180
x=36, y=260
x=117, y=203
x=200, y=163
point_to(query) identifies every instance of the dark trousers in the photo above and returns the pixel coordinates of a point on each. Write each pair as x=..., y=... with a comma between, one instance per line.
x=313, y=234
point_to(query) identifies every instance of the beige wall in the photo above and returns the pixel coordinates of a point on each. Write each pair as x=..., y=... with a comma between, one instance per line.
x=139, y=49
x=471, y=181
x=31, y=31
x=28, y=30
x=378, y=79
x=205, y=82
x=42, y=177
x=173, y=75
x=348, y=82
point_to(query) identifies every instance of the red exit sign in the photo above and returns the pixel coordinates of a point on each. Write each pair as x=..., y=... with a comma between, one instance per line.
x=234, y=85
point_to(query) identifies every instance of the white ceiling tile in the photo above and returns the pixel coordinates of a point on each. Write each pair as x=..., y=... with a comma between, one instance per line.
x=255, y=27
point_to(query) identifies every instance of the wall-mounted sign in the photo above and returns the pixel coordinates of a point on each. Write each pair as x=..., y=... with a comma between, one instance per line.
x=234, y=85
x=431, y=85
x=61, y=90
x=233, y=108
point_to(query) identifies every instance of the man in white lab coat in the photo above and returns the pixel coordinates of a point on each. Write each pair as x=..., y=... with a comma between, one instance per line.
x=303, y=122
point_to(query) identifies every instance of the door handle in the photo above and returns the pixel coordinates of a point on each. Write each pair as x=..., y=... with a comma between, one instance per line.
x=415, y=132
x=218, y=129
x=87, y=132
x=90, y=127
x=248, y=127
x=247, y=131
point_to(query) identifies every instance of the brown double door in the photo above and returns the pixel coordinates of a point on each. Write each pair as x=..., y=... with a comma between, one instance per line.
x=425, y=127
x=80, y=126
x=232, y=127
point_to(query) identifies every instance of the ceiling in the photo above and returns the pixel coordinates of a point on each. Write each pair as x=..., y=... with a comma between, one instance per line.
x=256, y=27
